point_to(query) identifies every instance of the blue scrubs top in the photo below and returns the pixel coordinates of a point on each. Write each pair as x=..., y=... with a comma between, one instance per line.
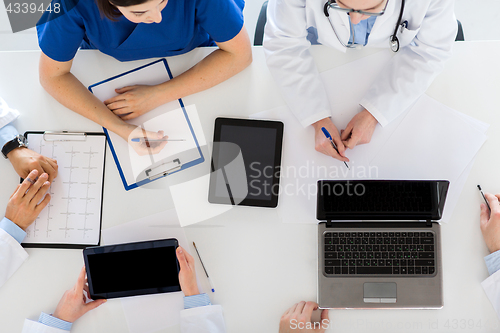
x=185, y=25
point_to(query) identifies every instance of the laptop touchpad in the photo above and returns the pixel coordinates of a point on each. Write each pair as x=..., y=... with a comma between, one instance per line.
x=380, y=292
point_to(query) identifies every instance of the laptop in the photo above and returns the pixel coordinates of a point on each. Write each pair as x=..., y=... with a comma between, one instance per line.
x=380, y=243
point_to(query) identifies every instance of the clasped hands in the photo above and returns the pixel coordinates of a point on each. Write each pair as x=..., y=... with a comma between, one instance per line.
x=358, y=131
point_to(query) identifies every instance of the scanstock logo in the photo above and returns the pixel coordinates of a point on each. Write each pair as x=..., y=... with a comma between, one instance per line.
x=26, y=14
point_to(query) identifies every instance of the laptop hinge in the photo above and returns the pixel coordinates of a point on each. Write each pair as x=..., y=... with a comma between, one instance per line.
x=329, y=223
x=428, y=223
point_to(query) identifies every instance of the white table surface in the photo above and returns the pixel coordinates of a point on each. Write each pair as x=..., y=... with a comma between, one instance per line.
x=259, y=266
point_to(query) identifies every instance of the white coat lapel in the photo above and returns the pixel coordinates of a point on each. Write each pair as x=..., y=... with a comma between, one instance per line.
x=392, y=9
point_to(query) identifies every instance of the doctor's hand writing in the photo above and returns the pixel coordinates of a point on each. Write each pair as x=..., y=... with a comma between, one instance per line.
x=299, y=319
x=74, y=304
x=24, y=160
x=323, y=145
x=187, y=274
x=134, y=101
x=490, y=222
x=24, y=205
x=147, y=142
x=359, y=130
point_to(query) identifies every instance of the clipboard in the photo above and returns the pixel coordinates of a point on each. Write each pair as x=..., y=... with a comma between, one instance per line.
x=73, y=217
x=134, y=170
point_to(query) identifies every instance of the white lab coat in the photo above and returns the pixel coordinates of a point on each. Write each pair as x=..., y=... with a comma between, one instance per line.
x=12, y=256
x=203, y=319
x=424, y=46
x=491, y=287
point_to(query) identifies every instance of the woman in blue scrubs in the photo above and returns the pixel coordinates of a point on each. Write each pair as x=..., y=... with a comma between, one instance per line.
x=137, y=29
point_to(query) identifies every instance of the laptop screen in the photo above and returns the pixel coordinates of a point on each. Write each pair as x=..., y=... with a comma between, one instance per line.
x=381, y=199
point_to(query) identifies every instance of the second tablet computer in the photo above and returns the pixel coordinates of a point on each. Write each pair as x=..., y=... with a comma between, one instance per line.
x=132, y=269
x=246, y=162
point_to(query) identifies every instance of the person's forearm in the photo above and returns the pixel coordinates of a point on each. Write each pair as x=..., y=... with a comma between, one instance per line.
x=71, y=93
x=217, y=67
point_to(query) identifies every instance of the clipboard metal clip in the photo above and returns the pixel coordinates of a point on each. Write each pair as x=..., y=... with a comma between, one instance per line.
x=64, y=136
x=167, y=168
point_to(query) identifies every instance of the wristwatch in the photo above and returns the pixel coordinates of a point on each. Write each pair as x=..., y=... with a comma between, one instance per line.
x=17, y=142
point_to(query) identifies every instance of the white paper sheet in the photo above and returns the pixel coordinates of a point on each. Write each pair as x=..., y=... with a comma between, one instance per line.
x=194, y=193
x=73, y=215
x=168, y=117
x=302, y=166
x=150, y=313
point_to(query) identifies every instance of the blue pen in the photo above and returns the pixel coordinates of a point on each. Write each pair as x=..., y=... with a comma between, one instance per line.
x=329, y=137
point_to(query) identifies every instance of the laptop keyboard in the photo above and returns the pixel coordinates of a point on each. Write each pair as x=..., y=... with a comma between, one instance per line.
x=408, y=253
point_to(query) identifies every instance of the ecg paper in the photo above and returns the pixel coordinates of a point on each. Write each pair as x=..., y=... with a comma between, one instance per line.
x=73, y=215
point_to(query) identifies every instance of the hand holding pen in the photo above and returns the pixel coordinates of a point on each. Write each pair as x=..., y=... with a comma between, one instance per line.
x=147, y=142
x=490, y=221
x=324, y=145
x=329, y=137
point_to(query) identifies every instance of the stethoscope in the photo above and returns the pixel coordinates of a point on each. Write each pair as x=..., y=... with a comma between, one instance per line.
x=393, y=40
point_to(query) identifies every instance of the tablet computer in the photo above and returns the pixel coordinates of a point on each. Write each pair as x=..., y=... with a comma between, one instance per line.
x=132, y=269
x=246, y=162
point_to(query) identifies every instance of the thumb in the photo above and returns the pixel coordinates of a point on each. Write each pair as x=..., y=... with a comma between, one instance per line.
x=182, y=258
x=122, y=90
x=94, y=304
x=324, y=314
x=484, y=217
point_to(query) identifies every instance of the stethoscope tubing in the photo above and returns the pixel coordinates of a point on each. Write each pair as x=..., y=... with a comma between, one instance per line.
x=393, y=40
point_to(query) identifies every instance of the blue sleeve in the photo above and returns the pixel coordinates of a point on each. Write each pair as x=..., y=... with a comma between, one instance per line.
x=60, y=34
x=221, y=19
x=196, y=301
x=7, y=133
x=51, y=321
x=493, y=262
x=13, y=229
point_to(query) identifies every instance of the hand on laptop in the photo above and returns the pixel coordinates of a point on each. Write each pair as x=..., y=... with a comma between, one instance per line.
x=490, y=222
x=187, y=274
x=298, y=319
x=74, y=304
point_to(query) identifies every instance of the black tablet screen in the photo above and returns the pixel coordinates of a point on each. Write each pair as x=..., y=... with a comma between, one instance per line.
x=258, y=149
x=133, y=270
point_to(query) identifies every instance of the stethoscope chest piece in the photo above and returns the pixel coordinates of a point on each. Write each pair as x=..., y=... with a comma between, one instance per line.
x=394, y=43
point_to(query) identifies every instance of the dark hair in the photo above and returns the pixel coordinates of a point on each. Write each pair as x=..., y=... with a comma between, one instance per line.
x=109, y=9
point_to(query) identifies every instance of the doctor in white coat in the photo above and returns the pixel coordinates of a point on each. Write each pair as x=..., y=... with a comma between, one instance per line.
x=21, y=210
x=426, y=30
x=490, y=227
x=198, y=316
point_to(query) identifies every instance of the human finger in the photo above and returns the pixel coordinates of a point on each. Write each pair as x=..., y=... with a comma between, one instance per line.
x=493, y=202
x=80, y=282
x=299, y=308
x=324, y=315
x=113, y=99
x=484, y=216
x=308, y=309
x=49, y=169
x=346, y=133
x=340, y=146
x=118, y=106
x=55, y=167
x=498, y=196
x=43, y=204
x=181, y=257
x=27, y=182
x=40, y=193
x=94, y=304
x=124, y=89
x=33, y=190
